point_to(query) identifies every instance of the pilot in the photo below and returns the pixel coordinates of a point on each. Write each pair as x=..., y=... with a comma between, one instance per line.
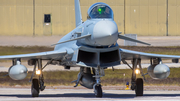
x=101, y=12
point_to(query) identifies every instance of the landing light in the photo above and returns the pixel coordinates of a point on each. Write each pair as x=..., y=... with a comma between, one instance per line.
x=137, y=71
x=38, y=72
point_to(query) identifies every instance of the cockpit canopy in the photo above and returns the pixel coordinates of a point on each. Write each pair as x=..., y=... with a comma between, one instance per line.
x=100, y=10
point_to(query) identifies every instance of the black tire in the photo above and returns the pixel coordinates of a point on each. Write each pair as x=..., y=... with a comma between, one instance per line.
x=98, y=92
x=35, y=88
x=139, y=87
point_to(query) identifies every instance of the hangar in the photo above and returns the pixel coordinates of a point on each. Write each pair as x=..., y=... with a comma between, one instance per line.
x=57, y=17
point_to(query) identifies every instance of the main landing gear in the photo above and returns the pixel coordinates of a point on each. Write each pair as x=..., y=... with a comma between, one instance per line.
x=37, y=83
x=136, y=83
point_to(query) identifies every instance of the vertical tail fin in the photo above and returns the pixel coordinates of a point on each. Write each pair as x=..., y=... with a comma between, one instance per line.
x=78, y=12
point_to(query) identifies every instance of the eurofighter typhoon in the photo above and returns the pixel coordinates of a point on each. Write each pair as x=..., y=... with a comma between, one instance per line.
x=93, y=47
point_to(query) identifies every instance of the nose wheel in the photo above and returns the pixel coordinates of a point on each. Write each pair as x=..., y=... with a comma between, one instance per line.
x=98, y=91
x=98, y=72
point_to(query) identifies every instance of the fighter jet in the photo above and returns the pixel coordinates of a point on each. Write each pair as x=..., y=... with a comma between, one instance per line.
x=93, y=47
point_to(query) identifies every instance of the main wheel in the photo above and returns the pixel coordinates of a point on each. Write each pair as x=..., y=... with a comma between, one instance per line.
x=35, y=88
x=139, y=87
x=98, y=91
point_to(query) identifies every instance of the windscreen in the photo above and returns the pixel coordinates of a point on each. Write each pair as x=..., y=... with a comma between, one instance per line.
x=101, y=11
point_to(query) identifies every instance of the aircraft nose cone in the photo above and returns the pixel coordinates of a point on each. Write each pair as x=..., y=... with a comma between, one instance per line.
x=105, y=33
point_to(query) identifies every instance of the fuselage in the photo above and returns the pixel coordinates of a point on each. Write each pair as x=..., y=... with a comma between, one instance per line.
x=104, y=35
x=100, y=24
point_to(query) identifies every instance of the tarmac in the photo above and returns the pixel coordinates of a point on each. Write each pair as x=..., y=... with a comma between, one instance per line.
x=24, y=94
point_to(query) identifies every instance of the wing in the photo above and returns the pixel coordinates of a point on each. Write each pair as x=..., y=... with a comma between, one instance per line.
x=129, y=55
x=42, y=55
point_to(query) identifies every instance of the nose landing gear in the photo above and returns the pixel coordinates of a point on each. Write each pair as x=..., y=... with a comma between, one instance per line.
x=99, y=72
x=97, y=90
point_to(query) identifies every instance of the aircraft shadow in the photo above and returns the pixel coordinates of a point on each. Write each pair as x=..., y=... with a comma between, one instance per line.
x=89, y=95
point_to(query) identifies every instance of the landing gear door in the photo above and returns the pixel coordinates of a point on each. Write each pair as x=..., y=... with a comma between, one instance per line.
x=75, y=55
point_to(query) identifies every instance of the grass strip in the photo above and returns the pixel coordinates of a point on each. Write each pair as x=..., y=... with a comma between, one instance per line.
x=117, y=77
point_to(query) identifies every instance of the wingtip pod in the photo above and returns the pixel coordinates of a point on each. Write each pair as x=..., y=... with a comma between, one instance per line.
x=133, y=40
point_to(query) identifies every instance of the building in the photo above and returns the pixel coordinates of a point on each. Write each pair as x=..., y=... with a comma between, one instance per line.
x=57, y=17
